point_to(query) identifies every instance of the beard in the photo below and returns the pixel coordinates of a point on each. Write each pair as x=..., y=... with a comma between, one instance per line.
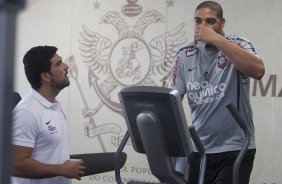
x=60, y=84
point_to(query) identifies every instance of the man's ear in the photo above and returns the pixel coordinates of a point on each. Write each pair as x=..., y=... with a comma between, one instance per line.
x=45, y=76
x=223, y=22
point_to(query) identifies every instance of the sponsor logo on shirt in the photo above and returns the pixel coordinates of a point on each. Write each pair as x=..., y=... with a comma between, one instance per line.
x=52, y=129
x=204, y=92
x=192, y=51
x=192, y=68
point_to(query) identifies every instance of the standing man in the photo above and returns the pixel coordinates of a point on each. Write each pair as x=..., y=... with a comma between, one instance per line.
x=40, y=129
x=214, y=71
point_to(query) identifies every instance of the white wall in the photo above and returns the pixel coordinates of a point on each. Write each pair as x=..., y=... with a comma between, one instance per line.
x=59, y=23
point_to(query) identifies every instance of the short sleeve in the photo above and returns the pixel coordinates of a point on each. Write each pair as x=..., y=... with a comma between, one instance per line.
x=177, y=80
x=245, y=44
x=24, y=128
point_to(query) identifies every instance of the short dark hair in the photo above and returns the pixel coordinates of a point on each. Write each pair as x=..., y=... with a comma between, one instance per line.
x=36, y=61
x=213, y=6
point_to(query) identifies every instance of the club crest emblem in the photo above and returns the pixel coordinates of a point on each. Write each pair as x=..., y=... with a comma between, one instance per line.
x=130, y=56
x=222, y=61
x=131, y=59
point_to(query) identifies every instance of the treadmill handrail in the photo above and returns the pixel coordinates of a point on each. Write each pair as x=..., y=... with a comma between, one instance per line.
x=118, y=157
x=241, y=122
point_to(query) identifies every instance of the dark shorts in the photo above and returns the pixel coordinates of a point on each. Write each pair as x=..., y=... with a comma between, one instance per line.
x=219, y=167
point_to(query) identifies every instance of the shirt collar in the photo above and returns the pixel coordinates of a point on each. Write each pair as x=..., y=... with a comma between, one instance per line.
x=55, y=105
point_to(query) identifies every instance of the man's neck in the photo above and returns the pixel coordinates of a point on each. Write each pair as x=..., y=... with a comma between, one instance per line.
x=48, y=93
x=210, y=47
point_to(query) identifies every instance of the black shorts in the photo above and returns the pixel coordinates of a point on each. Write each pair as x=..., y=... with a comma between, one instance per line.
x=219, y=167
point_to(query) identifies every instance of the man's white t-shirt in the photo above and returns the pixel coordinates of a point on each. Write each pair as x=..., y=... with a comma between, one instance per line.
x=41, y=125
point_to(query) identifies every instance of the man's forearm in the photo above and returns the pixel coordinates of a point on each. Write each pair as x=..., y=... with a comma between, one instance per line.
x=30, y=168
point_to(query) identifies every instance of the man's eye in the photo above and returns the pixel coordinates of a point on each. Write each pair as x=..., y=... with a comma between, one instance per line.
x=59, y=64
x=211, y=22
x=197, y=21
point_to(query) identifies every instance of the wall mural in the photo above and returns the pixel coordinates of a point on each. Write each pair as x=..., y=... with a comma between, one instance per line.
x=130, y=60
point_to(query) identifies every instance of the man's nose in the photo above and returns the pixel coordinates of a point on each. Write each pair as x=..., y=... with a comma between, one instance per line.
x=66, y=66
x=199, y=26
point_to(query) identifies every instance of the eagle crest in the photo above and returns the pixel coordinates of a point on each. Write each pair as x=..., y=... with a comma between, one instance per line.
x=130, y=59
